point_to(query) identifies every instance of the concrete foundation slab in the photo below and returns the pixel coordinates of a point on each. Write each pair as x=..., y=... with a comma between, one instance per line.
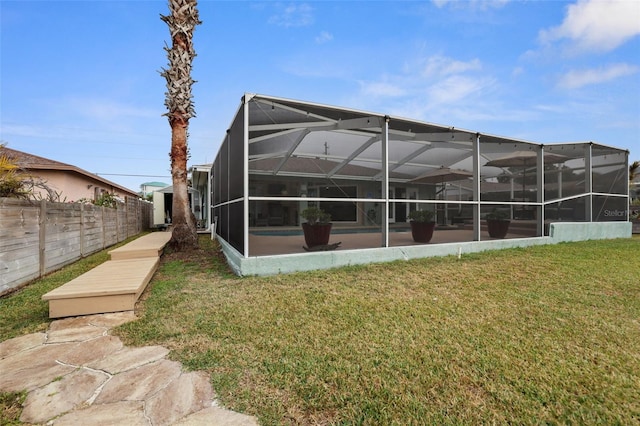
x=363, y=253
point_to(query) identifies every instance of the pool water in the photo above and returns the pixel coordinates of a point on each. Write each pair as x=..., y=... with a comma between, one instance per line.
x=336, y=231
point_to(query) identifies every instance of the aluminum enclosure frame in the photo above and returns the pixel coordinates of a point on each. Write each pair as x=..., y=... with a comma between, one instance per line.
x=281, y=155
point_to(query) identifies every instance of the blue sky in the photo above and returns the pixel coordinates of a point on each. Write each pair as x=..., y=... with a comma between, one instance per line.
x=79, y=80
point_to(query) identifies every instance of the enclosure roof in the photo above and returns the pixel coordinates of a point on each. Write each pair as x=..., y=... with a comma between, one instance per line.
x=291, y=137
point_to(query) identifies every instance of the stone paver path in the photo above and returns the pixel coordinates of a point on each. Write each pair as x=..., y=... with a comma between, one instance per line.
x=77, y=374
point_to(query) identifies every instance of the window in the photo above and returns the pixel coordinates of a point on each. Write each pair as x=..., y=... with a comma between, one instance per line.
x=340, y=211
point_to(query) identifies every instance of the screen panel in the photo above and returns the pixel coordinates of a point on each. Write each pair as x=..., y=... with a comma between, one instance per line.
x=609, y=166
x=236, y=157
x=610, y=209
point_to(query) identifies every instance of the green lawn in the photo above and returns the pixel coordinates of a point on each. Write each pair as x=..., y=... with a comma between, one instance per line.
x=24, y=311
x=547, y=334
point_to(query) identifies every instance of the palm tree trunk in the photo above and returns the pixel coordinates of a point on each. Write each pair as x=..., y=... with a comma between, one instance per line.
x=184, y=234
x=181, y=22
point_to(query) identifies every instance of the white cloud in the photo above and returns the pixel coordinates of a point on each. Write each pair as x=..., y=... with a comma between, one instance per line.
x=293, y=15
x=478, y=4
x=457, y=88
x=26, y=130
x=552, y=108
x=597, y=25
x=382, y=88
x=106, y=109
x=70, y=134
x=324, y=37
x=578, y=78
x=432, y=88
x=441, y=3
x=441, y=65
x=436, y=80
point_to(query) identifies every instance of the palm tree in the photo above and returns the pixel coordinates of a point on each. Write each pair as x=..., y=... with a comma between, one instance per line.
x=182, y=20
x=12, y=184
x=634, y=168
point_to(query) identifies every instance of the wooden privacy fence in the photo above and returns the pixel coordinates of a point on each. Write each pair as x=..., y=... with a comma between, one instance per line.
x=38, y=237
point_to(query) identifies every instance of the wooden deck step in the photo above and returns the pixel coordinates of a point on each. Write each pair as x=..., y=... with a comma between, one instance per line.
x=112, y=286
x=150, y=245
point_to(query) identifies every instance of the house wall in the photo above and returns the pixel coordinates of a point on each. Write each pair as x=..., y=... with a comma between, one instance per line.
x=159, y=213
x=200, y=182
x=367, y=213
x=72, y=186
x=149, y=189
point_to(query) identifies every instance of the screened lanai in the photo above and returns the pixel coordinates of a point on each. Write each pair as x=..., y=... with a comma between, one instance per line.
x=369, y=171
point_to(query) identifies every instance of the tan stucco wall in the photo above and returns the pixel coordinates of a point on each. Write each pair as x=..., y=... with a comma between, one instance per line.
x=72, y=186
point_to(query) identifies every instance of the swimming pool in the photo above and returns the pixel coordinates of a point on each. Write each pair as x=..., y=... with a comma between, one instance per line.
x=293, y=232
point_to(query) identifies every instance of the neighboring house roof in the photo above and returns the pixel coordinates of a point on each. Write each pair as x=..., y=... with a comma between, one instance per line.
x=155, y=184
x=169, y=190
x=201, y=167
x=34, y=162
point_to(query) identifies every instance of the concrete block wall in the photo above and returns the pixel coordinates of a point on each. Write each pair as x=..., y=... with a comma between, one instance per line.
x=282, y=264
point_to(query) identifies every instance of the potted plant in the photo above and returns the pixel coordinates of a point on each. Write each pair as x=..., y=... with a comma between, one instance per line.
x=422, y=225
x=317, y=228
x=498, y=223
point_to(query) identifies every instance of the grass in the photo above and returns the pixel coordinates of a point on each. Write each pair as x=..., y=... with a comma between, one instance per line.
x=24, y=311
x=11, y=407
x=546, y=334
x=539, y=335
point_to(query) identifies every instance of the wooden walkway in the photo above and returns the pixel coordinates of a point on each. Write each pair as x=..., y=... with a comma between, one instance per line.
x=150, y=245
x=114, y=285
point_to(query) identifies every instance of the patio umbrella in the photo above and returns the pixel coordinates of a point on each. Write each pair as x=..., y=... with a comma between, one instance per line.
x=442, y=175
x=525, y=159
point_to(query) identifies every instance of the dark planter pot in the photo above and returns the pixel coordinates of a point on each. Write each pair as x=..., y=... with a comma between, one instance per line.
x=498, y=228
x=422, y=232
x=316, y=235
